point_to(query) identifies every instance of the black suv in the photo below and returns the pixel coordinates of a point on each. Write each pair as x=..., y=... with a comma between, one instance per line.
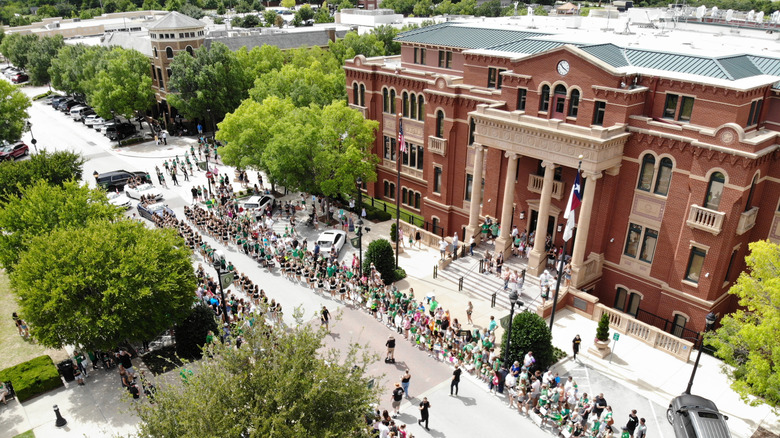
x=120, y=131
x=117, y=179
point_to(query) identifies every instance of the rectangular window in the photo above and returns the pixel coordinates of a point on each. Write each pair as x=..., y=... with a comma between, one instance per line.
x=405, y=160
x=648, y=245
x=670, y=108
x=419, y=55
x=494, y=77
x=695, y=263
x=420, y=152
x=632, y=240
x=437, y=179
x=755, y=112
x=469, y=184
x=521, y=94
x=387, y=149
x=686, y=108
x=445, y=59
x=449, y=59
x=598, y=112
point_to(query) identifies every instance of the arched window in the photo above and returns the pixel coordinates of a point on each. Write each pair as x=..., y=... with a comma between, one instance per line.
x=417, y=200
x=664, y=178
x=392, y=101
x=420, y=108
x=574, y=103
x=749, y=203
x=440, y=124
x=190, y=51
x=362, y=95
x=169, y=52
x=646, y=173
x=385, y=100
x=355, y=94
x=404, y=196
x=715, y=191
x=414, y=107
x=560, y=100
x=627, y=302
x=405, y=99
x=544, y=103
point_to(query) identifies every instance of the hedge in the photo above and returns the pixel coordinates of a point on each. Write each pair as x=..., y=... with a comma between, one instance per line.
x=375, y=214
x=32, y=378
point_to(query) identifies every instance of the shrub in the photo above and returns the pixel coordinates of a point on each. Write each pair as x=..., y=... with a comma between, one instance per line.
x=33, y=377
x=602, y=331
x=400, y=274
x=191, y=333
x=41, y=96
x=530, y=333
x=393, y=233
x=380, y=253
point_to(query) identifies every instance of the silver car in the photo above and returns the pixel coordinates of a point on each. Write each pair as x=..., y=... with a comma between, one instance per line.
x=692, y=416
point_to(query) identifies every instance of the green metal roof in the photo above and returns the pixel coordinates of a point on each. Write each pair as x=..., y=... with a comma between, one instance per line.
x=464, y=37
x=739, y=67
x=767, y=66
x=695, y=65
x=529, y=46
x=609, y=53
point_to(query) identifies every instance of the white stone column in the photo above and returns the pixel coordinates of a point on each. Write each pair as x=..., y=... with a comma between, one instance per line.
x=537, y=258
x=504, y=242
x=473, y=229
x=583, y=225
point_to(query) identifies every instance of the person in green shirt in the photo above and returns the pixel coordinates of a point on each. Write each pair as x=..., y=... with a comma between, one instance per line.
x=433, y=305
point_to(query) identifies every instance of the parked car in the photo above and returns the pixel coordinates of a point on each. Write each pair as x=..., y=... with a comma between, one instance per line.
x=20, y=78
x=56, y=100
x=11, y=72
x=258, y=204
x=94, y=121
x=331, y=239
x=76, y=110
x=83, y=114
x=118, y=199
x=120, y=131
x=147, y=211
x=66, y=106
x=116, y=180
x=147, y=190
x=692, y=416
x=12, y=151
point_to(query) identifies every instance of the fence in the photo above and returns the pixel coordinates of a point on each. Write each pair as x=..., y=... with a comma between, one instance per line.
x=405, y=215
x=667, y=325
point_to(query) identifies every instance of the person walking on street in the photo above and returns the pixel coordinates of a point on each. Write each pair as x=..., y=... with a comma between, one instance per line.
x=575, y=345
x=390, y=344
x=325, y=317
x=398, y=395
x=455, y=380
x=469, y=311
x=641, y=430
x=405, y=382
x=173, y=176
x=425, y=406
x=165, y=137
x=633, y=422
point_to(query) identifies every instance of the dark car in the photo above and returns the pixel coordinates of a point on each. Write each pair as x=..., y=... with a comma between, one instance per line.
x=67, y=105
x=120, y=131
x=19, y=78
x=117, y=179
x=56, y=100
x=148, y=211
x=12, y=151
x=692, y=416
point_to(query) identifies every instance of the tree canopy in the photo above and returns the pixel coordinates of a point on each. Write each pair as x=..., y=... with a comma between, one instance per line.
x=103, y=284
x=313, y=149
x=529, y=333
x=123, y=85
x=54, y=168
x=278, y=383
x=40, y=56
x=41, y=208
x=747, y=338
x=13, y=111
x=211, y=80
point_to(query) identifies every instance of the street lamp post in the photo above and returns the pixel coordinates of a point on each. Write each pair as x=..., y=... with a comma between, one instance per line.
x=33, y=141
x=709, y=323
x=512, y=300
x=208, y=110
x=360, y=221
x=220, y=265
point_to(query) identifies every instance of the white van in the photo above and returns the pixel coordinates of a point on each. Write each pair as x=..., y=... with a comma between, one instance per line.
x=75, y=112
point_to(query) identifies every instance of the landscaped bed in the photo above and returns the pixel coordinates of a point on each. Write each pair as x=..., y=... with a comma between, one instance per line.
x=33, y=377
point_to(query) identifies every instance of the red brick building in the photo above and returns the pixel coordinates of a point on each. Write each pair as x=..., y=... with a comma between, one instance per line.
x=679, y=153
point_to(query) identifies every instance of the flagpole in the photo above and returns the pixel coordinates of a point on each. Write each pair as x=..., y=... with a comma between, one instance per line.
x=398, y=157
x=560, y=266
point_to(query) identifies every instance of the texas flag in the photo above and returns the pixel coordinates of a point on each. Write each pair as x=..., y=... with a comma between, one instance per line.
x=575, y=199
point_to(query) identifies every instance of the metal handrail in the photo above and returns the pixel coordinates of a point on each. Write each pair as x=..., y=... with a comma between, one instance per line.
x=462, y=277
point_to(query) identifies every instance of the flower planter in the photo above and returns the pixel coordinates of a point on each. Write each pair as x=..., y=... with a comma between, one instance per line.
x=600, y=348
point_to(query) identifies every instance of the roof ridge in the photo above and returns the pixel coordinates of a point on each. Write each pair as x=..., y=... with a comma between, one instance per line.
x=723, y=69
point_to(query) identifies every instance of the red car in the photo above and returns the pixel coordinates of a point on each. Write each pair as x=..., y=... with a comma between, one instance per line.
x=19, y=78
x=12, y=151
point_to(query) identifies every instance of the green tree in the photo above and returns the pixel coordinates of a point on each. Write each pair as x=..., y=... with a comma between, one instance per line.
x=46, y=11
x=191, y=10
x=171, y=5
x=530, y=333
x=490, y=8
x=423, y=8
x=269, y=17
x=294, y=388
x=602, y=330
x=54, y=168
x=747, y=338
x=13, y=111
x=40, y=56
x=380, y=254
x=17, y=47
x=191, y=333
x=289, y=4
x=243, y=7
x=279, y=21
x=257, y=5
x=404, y=7
x=75, y=68
x=212, y=79
x=540, y=10
x=386, y=34
x=323, y=14
x=211, y=4
x=103, y=284
x=353, y=44
x=151, y=5
x=221, y=9
x=41, y=208
x=260, y=60
x=124, y=86
x=315, y=84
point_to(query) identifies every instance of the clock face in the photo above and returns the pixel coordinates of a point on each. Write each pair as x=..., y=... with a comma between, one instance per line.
x=563, y=68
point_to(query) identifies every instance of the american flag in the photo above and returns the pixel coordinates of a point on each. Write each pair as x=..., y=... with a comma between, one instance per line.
x=401, y=141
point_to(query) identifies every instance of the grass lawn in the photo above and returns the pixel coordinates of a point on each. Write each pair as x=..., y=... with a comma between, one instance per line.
x=13, y=348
